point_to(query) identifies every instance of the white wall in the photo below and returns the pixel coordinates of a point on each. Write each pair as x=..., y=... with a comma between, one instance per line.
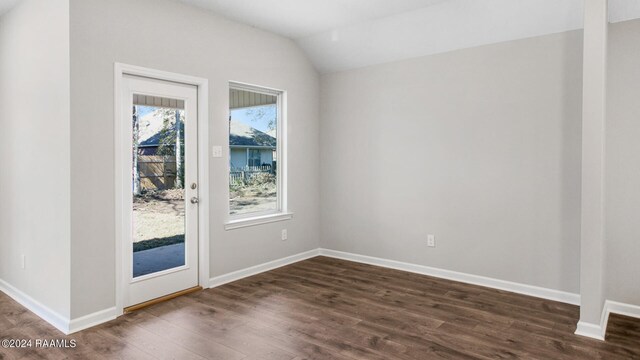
x=480, y=147
x=623, y=165
x=170, y=36
x=34, y=151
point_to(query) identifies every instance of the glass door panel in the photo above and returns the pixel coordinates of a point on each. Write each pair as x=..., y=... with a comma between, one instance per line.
x=158, y=184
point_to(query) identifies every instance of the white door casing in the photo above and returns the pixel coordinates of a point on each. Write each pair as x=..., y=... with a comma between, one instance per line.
x=129, y=80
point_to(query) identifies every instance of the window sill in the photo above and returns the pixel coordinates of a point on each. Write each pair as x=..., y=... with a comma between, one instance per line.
x=257, y=220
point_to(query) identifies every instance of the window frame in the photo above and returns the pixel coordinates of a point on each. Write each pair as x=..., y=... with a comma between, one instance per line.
x=251, y=159
x=281, y=212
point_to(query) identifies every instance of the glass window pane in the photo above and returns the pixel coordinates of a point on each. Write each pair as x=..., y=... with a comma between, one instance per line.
x=158, y=189
x=253, y=123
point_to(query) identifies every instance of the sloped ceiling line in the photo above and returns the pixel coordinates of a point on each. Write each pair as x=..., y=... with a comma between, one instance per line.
x=345, y=34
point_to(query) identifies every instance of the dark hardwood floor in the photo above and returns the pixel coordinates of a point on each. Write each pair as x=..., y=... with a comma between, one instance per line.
x=325, y=308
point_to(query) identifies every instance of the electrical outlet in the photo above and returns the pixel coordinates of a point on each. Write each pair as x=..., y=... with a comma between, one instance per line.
x=284, y=235
x=216, y=151
x=23, y=261
x=431, y=240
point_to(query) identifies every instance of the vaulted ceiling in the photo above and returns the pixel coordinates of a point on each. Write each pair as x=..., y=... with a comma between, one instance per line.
x=344, y=34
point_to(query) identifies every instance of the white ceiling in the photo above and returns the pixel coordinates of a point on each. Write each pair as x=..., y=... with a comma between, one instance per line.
x=345, y=34
x=299, y=18
x=451, y=25
x=5, y=5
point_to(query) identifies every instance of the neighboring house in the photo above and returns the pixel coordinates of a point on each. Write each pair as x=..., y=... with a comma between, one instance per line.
x=149, y=146
x=249, y=146
x=149, y=128
x=155, y=172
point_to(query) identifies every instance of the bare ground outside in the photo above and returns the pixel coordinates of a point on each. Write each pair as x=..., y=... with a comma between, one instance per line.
x=252, y=198
x=158, y=215
x=158, y=219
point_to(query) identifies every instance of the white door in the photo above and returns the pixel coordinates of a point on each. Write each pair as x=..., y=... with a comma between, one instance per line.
x=160, y=256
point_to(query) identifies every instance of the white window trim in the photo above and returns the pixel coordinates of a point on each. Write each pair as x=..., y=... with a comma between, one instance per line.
x=257, y=220
x=282, y=212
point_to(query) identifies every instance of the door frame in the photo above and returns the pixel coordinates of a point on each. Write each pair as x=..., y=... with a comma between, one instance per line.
x=121, y=208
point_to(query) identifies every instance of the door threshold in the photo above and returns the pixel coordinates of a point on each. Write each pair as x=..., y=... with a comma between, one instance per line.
x=161, y=299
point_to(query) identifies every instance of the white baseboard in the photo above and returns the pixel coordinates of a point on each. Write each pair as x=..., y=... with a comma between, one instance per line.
x=619, y=308
x=56, y=320
x=598, y=331
x=52, y=317
x=550, y=294
x=91, y=320
x=240, y=274
x=594, y=331
x=614, y=307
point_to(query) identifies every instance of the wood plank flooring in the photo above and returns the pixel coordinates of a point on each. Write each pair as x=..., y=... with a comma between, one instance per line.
x=325, y=308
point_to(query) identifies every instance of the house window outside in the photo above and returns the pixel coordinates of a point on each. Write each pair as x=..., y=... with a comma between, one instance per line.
x=254, y=158
x=255, y=147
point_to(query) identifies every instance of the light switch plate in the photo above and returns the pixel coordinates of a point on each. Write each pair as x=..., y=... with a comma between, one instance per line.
x=216, y=151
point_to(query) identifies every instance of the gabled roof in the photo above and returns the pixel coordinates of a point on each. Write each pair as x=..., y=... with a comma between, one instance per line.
x=241, y=134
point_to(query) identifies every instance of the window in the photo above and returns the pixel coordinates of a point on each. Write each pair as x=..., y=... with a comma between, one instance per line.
x=254, y=157
x=256, y=153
